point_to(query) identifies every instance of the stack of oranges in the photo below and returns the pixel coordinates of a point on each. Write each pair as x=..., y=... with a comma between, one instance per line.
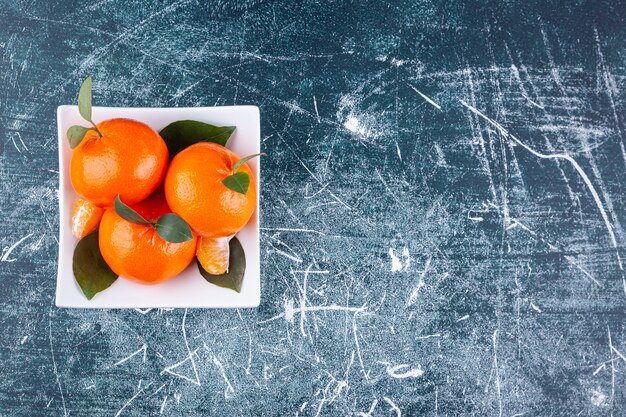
x=127, y=160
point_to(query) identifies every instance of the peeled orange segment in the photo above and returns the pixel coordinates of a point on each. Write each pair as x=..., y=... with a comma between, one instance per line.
x=213, y=254
x=85, y=218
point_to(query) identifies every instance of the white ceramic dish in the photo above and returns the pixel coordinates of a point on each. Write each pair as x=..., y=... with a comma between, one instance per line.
x=188, y=289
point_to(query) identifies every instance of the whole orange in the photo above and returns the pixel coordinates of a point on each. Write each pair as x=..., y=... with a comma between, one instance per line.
x=136, y=251
x=130, y=159
x=194, y=190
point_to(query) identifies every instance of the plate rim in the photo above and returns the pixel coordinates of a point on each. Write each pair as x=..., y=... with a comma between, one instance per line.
x=255, y=298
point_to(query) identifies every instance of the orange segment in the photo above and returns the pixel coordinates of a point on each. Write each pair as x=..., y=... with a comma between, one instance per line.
x=213, y=254
x=85, y=218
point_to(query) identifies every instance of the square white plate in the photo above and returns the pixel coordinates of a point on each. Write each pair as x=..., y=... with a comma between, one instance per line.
x=188, y=289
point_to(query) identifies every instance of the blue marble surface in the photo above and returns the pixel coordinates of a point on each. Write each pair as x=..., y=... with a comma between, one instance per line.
x=441, y=210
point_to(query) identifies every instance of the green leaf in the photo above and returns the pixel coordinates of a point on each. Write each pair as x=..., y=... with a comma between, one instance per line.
x=184, y=133
x=239, y=182
x=84, y=99
x=127, y=213
x=246, y=159
x=90, y=270
x=232, y=279
x=173, y=228
x=75, y=135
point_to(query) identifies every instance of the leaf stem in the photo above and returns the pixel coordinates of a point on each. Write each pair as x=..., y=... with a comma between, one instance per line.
x=96, y=128
x=245, y=159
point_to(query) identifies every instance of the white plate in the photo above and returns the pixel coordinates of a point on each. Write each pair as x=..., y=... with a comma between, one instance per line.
x=188, y=289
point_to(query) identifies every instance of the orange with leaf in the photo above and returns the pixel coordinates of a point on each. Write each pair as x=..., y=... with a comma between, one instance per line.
x=115, y=157
x=146, y=243
x=122, y=157
x=129, y=228
x=213, y=190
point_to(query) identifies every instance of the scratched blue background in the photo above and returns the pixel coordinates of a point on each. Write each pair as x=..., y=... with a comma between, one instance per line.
x=442, y=208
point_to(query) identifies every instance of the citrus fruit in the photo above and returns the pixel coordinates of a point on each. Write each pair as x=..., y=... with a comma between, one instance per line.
x=136, y=251
x=194, y=190
x=85, y=218
x=130, y=159
x=213, y=254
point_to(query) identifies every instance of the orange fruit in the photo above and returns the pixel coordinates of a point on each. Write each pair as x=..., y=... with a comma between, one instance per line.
x=85, y=218
x=136, y=251
x=194, y=190
x=214, y=254
x=130, y=159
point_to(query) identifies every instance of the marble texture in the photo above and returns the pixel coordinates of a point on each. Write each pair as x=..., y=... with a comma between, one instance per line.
x=441, y=210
